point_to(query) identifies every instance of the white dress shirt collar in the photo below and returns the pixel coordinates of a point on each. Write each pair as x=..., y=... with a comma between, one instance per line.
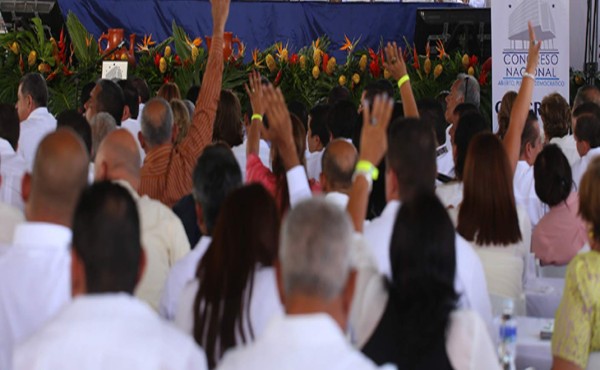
x=299, y=328
x=42, y=234
x=337, y=198
x=40, y=112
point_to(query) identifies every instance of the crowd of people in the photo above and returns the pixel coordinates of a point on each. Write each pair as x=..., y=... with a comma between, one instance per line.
x=188, y=233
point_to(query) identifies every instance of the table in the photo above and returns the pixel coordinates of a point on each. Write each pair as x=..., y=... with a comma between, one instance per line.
x=542, y=296
x=531, y=350
x=257, y=24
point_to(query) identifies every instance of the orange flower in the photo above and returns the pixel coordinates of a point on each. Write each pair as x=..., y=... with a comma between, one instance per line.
x=197, y=41
x=440, y=49
x=146, y=43
x=347, y=45
x=416, y=63
x=282, y=52
x=257, y=63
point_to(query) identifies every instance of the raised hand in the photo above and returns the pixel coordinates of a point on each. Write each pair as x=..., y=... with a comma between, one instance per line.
x=376, y=119
x=220, y=12
x=280, y=126
x=394, y=61
x=534, y=51
x=254, y=89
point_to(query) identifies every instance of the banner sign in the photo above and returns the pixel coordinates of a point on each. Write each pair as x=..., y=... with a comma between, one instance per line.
x=510, y=43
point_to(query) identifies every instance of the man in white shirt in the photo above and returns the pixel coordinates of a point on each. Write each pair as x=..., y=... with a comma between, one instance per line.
x=36, y=121
x=317, y=138
x=10, y=218
x=163, y=236
x=339, y=161
x=12, y=165
x=131, y=112
x=316, y=284
x=143, y=92
x=523, y=181
x=410, y=164
x=587, y=136
x=35, y=269
x=217, y=173
x=105, y=327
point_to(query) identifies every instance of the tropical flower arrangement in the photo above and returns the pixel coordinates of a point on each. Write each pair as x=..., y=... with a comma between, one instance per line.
x=305, y=75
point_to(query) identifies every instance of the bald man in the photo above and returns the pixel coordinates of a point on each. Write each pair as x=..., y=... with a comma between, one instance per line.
x=338, y=164
x=163, y=236
x=35, y=278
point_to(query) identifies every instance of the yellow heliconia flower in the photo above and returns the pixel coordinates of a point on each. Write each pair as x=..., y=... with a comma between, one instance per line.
x=302, y=62
x=195, y=52
x=438, y=71
x=316, y=72
x=282, y=52
x=363, y=63
x=317, y=57
x=471, y=71
x=386, y=74
x=15, y=48
x=465, y=61
x=342, y=80
x=167, y=51
x=271, y=64
x=44, y=68
x=32, y=58
x=162, y=65
x=331, y=64
x=427, y=66
x=356, y=78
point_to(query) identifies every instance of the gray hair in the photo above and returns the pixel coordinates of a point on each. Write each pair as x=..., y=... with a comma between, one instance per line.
x=315, y=249
x=469, y=85
x=102, y=124
x=157, y=122
x=191, y=107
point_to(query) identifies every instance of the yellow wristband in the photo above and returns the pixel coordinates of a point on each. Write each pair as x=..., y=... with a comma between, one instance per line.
x=404, y=79
x=367, y=167
x=257, y=116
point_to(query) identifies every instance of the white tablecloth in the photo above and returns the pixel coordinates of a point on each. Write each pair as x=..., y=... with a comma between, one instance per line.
x=542, y=296
x=531, y=350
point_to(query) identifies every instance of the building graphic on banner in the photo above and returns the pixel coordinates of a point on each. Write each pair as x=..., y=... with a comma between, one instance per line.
x=510, y=45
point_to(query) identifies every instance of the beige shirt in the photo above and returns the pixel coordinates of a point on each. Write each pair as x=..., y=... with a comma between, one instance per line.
x=164, y=241
x=10, y=217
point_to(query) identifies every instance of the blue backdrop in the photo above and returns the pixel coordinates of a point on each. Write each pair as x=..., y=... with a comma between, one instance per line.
x=257, y=24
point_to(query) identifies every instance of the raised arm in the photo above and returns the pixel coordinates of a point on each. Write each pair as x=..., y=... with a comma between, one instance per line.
x=201, y=130
x=373, y=146
x=518, y=115
x=255, y=94
x=395, y=64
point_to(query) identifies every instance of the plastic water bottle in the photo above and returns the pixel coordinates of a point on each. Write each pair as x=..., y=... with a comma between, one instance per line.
x=508, y=337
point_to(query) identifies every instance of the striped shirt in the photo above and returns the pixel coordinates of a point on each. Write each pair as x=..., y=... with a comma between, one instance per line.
x=166, y=174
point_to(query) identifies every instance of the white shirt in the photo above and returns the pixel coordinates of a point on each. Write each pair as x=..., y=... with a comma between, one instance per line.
x=525, y=195
x=10, y=217
x=450, y=194
x=109, y=331
x=313, y=165
x=182, y=272
x=39, y=124
x=264, y=304
x=581, y=165
x=134, y=127
x=470, y=281
x=568, y=145
x=264, y=153
x=164, y=241
x=35, y=282
x=301, y=342
x=468, y=343
x=337, y=198
x=12, y=169
x=445, y=161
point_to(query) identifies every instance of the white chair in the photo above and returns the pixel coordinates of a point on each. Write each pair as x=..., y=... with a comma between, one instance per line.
x=594, y=361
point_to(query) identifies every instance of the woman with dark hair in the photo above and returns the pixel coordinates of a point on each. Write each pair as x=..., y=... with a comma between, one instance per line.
x=419, y=326
x=489, y=219
x=274, y=179
x=228, y=122
x=561, y=233
x=236, y=277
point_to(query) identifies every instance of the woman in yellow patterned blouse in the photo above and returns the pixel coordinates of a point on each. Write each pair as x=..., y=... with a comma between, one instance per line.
x=577, y=326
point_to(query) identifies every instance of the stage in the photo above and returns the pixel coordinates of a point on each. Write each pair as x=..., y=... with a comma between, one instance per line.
x=257, y=24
